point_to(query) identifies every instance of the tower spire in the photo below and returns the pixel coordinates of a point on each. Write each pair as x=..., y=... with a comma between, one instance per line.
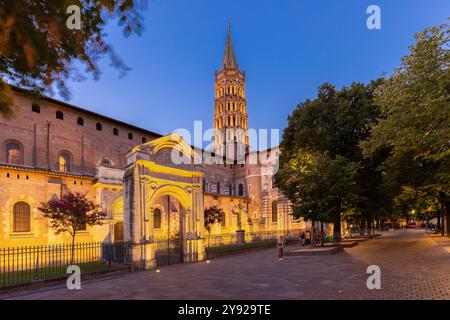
x=229, y=59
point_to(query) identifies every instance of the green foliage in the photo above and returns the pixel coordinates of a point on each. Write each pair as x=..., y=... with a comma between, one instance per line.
x=317, y=185
x=415, y=101
x=72, y=213
x=322, y=169
x=213, y=215
x=414, y=121
x=38, y=52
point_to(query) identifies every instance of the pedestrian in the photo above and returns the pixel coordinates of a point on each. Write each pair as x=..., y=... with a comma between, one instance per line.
x=322, y=238
x=307, y=237
x=302, y=238
x=280, y=245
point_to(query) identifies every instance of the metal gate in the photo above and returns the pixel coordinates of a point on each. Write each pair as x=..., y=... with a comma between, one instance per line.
x=169, y=251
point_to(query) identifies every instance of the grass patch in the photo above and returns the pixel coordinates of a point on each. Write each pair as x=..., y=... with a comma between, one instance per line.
x=50, y=272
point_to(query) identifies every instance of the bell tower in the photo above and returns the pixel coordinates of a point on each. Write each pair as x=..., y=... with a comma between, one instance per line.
x=230, y=114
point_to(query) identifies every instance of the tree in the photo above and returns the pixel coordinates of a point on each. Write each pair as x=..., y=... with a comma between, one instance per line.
x=320, y=188
x=71, y=214
x=328, y=131
x=213, y=215
x=39, y=52
x=415, y=108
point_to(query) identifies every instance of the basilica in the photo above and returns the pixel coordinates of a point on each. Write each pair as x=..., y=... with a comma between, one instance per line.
x=49, y=147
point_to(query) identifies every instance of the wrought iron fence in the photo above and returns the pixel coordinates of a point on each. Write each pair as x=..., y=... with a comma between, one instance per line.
x=231, y=238
x=28, y=264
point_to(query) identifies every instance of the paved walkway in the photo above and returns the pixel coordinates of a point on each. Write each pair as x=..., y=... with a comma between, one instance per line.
x=413, y=266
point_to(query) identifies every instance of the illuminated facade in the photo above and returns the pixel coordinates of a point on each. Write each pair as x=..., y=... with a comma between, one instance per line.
x=48, y=146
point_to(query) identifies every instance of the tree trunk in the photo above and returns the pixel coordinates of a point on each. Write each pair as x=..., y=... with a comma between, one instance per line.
x=337, y=227
x=443, y=224
x=322, y=240
x=73, y=250
x=438, y=216
x=209, y=238
x=447, y=213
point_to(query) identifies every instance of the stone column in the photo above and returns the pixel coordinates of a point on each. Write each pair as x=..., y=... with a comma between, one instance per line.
x=136, y=220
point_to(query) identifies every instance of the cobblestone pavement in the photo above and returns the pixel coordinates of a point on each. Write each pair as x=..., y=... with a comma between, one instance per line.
x=413, y=265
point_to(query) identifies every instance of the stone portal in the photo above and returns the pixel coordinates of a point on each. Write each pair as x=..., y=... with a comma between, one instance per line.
x=150, y=176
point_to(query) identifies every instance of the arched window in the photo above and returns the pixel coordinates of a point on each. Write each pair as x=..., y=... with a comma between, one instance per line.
x=59, y=115
x=274, y=211
x=80, y=121
x=241, y=190
x=21, y=217
x=98, y=126
x=64, y=162
x=115, y=131
x=144, y=139
x=157, y=219
x=218, y=187
x=130, y=136
x=14, y=153
x=105, y=163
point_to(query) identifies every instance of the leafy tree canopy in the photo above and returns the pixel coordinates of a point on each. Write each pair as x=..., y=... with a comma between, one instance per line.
x=414, y=120
x=72, y=213
x=39, y=52
x=322, y=168
x=415, y=101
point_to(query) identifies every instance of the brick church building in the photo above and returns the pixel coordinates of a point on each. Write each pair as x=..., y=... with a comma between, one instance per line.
x=49, y=146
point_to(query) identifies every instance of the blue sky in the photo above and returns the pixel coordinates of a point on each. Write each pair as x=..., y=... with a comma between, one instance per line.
x=287, y=47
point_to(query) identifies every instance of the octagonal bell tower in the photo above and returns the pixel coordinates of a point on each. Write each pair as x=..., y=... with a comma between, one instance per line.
x=230, y=114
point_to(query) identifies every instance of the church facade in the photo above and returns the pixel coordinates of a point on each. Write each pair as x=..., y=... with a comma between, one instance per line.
x=49, y=147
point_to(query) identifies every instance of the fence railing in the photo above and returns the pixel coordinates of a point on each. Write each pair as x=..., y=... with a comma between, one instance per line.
x=231, y=238
x=21, y=265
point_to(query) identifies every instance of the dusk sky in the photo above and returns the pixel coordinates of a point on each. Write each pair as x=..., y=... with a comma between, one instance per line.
x=287, y=48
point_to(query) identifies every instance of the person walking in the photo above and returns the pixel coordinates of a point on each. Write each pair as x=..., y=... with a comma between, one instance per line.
x=322, y=238
x=280, y=245
x=308, y=238
x=302, y=238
